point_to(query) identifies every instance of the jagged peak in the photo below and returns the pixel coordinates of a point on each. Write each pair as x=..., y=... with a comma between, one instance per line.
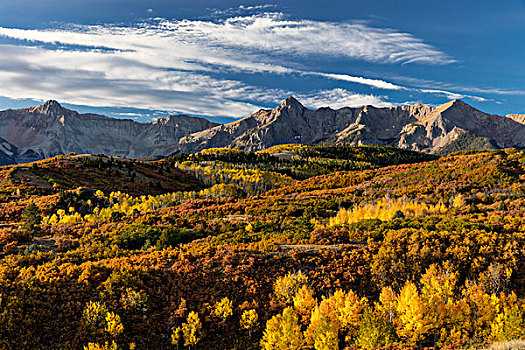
x=52, y=104
x=50, y=107
x=291, y=101
x=456, y=103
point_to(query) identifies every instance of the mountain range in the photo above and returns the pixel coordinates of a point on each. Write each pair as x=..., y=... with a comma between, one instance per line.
x=47, y=130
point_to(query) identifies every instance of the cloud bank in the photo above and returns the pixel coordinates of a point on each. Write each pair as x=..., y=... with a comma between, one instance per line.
x=192, y=66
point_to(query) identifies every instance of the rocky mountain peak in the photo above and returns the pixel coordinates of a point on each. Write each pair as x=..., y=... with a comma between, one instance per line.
x=51, y=107
x=291, y=102
x=50, y=129
x=52, y=104
x=457, y=103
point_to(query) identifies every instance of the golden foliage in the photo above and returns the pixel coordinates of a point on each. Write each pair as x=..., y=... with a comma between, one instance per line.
x=249, y=320
x=283, y=332
x=191, y=329
x=114, y=326
x=285, y=287
x=386, y=209
x=223, y=308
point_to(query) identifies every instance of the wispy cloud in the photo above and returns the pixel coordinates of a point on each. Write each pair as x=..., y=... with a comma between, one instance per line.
x=452, y=95
x=432, y=86
x=377, y=83
x=339, y=98
x=180, y=65
x=241, y=10
x=273, y=33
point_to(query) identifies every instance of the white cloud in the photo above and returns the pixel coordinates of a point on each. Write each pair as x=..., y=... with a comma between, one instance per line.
x=360, y=80
x=452, y=95
x=272, y=33
x=111, y=80
x=241, y=9
x=339, y=98
x=178, y=65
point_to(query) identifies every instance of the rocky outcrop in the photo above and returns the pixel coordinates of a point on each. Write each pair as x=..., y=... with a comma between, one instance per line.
x=49, y=129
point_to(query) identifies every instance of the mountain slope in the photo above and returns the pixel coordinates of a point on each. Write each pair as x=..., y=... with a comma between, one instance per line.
x=447, y=122
x=8, y=153
x=416, y=127
x=291, y=122
x=50, y=129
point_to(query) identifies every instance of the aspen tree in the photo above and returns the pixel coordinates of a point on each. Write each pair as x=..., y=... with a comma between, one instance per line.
x=249, y=320
x=283, y=332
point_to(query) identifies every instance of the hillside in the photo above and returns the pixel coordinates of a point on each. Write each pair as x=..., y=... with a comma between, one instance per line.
x=103, y=173
x=339, y=243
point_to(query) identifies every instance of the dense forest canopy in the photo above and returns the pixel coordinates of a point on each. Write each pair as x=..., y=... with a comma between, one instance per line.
x=294, y=247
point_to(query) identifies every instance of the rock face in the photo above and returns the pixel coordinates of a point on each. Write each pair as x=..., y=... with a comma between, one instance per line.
x=8, y=153
x=48, y=130
x=416, y=127
x=447, y=122
x=291, y=122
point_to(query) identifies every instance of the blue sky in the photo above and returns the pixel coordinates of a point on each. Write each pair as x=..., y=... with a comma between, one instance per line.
x=226, y=59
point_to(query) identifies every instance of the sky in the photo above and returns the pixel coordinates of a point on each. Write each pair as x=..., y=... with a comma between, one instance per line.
x=227, y=59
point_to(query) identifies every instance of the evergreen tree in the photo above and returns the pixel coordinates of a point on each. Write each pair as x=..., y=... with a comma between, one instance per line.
x=31, y=218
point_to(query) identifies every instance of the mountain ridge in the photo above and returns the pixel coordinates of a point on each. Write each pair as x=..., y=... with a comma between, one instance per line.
x=49, y=129
x=416, y=127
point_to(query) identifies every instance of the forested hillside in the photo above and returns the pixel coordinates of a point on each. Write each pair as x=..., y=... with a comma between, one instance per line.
x=294, y=247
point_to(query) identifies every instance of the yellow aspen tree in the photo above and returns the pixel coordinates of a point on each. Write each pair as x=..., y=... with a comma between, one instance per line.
x=506, y=318
x=105, y=346
x=94, y=314
x=438, y=285
x=375, y=331
x=324, y=327
x=458, y=323
x=387, y=303
x=286, y=287
x=411, y=321
x=437, y=290
x=304, y=302
x=249, y=320
x=458, y=201
x=283, y=332
x=328, y=340
x=514, y=324
x=176, y=337
x=484, y=309
x=114, y=326
x=223, y=308
x=191, y=329
x=349, y=308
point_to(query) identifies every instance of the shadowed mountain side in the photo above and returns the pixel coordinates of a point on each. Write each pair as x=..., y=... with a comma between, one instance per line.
x=50, y=129
x=8, y=153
